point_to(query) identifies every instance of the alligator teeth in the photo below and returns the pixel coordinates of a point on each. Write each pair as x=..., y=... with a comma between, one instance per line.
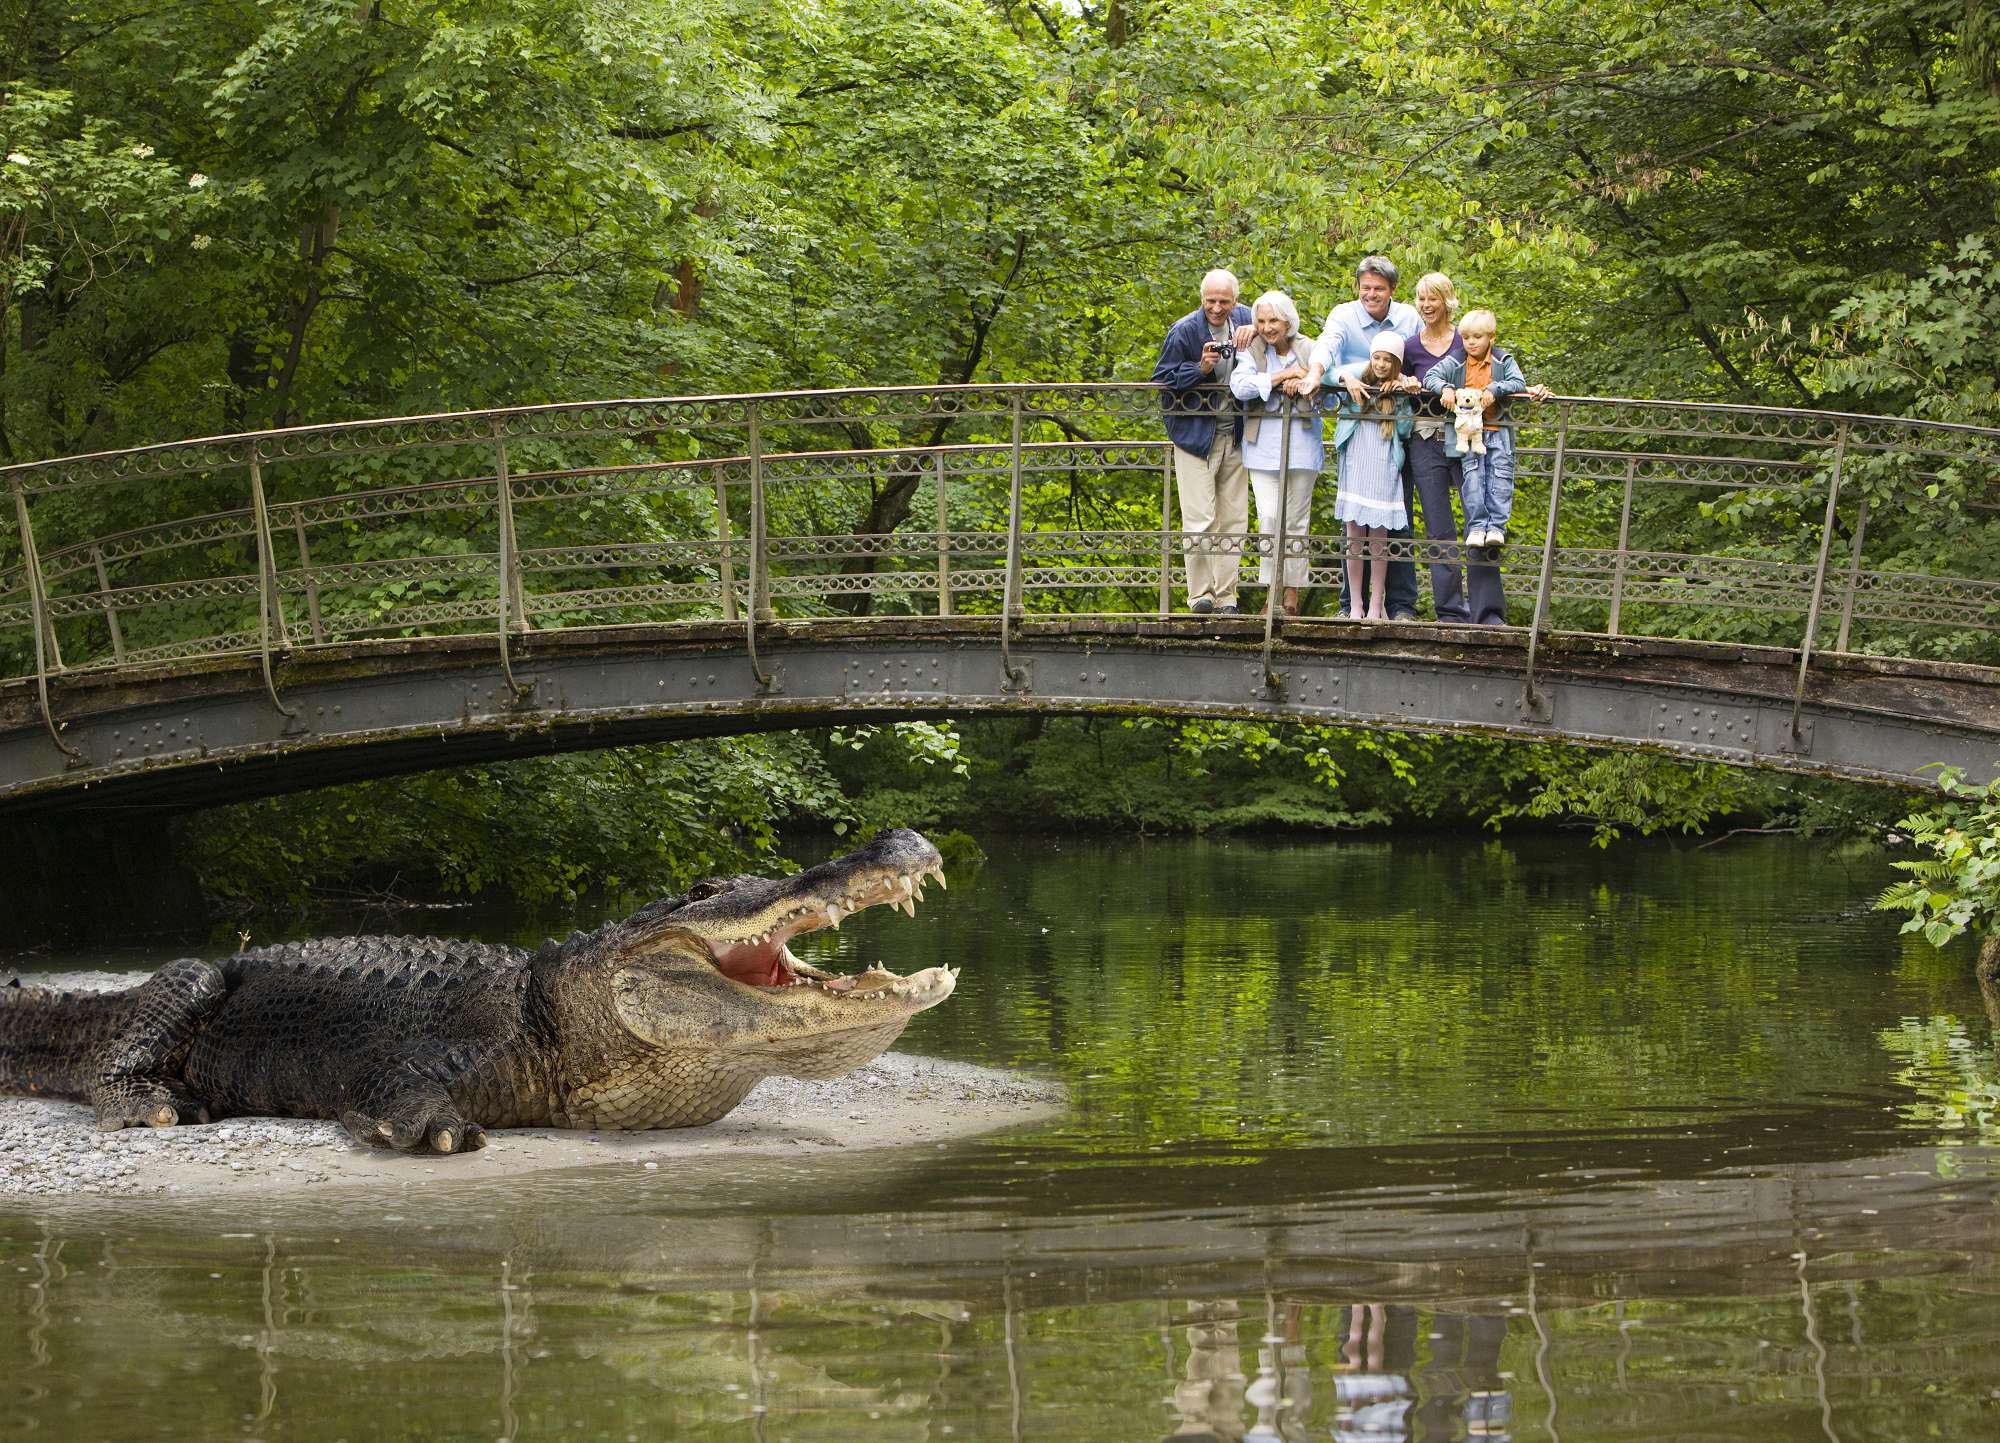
x=833, y=916
x=938, y=875
x=908, y=906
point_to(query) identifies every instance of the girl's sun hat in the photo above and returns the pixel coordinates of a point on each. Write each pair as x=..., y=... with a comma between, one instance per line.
x=1387, y=341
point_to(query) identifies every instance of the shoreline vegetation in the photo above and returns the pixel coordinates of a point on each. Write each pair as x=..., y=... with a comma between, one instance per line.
x=543, y=833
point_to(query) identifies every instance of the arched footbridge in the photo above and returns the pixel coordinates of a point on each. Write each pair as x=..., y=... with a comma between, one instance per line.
x=228, y=617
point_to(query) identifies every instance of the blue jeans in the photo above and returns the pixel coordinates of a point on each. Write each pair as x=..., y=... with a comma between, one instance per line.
x=1487, y=485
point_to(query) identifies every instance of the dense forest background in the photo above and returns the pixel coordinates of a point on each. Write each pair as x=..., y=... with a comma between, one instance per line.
x=224, y=215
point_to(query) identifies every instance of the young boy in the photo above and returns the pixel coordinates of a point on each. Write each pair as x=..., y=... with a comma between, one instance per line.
x=1487, y=490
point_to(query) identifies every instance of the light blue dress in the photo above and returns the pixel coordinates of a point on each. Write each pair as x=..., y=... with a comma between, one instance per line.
x=1371, y=482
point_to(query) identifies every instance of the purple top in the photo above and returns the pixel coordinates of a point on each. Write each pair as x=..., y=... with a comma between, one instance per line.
x=1418, y=359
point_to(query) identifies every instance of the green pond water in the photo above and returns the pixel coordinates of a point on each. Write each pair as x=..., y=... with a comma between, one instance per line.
x=1413, y=1140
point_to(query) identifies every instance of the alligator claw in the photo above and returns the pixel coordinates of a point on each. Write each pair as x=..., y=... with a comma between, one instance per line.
x=129, y=1104
x=420, y=1126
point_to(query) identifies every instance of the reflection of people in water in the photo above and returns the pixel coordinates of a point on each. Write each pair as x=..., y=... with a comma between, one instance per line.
x=1282, y=1391
x=1374, y=1387
x=1459, y=1383
x=1209, y=1403
x=1461, y=1380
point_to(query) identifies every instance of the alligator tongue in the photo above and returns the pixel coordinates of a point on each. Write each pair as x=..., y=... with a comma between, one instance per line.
x=754, y=964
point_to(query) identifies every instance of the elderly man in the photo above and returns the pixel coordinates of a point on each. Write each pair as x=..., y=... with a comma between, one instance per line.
x=1339, y=358
x=1206, y=429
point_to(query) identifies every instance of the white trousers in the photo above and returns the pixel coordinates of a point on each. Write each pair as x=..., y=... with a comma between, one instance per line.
x=1215, y=503
x=1298, y=521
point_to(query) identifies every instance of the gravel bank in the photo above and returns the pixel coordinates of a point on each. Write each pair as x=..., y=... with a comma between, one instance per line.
x=52, y=1148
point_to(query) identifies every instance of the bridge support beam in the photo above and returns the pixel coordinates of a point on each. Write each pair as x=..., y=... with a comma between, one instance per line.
x=208, y=734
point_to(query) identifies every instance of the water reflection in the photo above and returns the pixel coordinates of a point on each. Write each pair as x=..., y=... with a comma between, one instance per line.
x=1646, y=1152
x=584, y=1306
x=1209, y=1398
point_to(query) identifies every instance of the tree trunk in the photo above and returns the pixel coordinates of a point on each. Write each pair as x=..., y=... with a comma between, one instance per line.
x=1988, y=966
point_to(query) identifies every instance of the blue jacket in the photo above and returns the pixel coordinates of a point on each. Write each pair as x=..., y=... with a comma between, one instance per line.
x=1344, y=427
x=1507, y=381
x=1191, y=414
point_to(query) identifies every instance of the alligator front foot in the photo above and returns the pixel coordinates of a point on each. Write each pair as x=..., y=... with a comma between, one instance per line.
x=136, y=1102
x=414, y=1124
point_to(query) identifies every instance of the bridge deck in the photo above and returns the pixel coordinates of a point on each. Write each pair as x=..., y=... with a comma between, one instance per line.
x=1807, y=590
x=208, y=731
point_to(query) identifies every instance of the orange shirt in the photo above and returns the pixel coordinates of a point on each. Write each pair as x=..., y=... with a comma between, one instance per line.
x=1478, y=376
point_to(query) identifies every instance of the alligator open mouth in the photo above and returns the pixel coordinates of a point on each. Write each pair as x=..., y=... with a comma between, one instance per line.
x=764, y=959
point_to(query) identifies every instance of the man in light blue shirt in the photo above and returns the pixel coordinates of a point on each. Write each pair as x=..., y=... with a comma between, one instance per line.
x=1344, y=343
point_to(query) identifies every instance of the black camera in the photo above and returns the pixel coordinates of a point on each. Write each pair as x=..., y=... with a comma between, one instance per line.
x=1224, y=350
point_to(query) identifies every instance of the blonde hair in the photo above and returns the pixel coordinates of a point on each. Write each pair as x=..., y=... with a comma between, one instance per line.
x=1384, y=405
x=1283, y=306
x=1441, y=283
x=1480, y=321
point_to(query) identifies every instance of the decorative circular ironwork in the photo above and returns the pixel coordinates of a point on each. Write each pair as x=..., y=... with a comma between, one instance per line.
x=591, y=530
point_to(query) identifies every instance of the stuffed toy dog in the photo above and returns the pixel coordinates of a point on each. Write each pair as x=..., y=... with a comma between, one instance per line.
x=1469, y=421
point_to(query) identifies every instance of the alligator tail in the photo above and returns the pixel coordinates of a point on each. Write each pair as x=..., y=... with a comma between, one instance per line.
x=48, y=1039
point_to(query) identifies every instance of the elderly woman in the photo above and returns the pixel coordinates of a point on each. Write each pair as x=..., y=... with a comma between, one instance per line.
x=1274, y=370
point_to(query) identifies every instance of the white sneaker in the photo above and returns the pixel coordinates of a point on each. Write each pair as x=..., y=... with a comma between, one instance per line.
x=1475, y=538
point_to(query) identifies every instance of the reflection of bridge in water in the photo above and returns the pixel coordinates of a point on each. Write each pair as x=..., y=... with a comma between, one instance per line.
x=1555, y=1310
x=220, y=618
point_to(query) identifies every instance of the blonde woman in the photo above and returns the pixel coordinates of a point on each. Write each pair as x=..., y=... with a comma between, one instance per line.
x=1435, y=473
x=1276, y=368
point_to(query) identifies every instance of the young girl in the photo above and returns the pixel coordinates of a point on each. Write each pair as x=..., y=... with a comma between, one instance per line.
x=1370, y=498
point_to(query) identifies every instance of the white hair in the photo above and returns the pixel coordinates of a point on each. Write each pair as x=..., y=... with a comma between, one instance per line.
x=1280, y=305
x=1221, y=277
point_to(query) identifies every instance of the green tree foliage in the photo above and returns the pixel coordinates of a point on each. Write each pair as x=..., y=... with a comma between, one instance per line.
x=254, y=212
x=540, y=831
x=1955, y=889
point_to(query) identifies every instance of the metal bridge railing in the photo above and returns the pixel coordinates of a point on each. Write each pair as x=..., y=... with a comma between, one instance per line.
x=1801, y=529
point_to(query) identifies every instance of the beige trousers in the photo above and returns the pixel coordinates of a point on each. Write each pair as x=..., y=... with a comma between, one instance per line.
x=1215, y=512
x=1298, y=507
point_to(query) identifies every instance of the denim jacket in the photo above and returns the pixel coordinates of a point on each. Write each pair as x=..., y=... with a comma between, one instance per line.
x=1449, y=374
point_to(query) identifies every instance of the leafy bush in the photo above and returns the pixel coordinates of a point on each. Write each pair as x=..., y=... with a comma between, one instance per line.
x=1956, y=889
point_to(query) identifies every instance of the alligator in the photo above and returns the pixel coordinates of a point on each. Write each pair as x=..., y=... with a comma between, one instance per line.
x=665, y=1019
